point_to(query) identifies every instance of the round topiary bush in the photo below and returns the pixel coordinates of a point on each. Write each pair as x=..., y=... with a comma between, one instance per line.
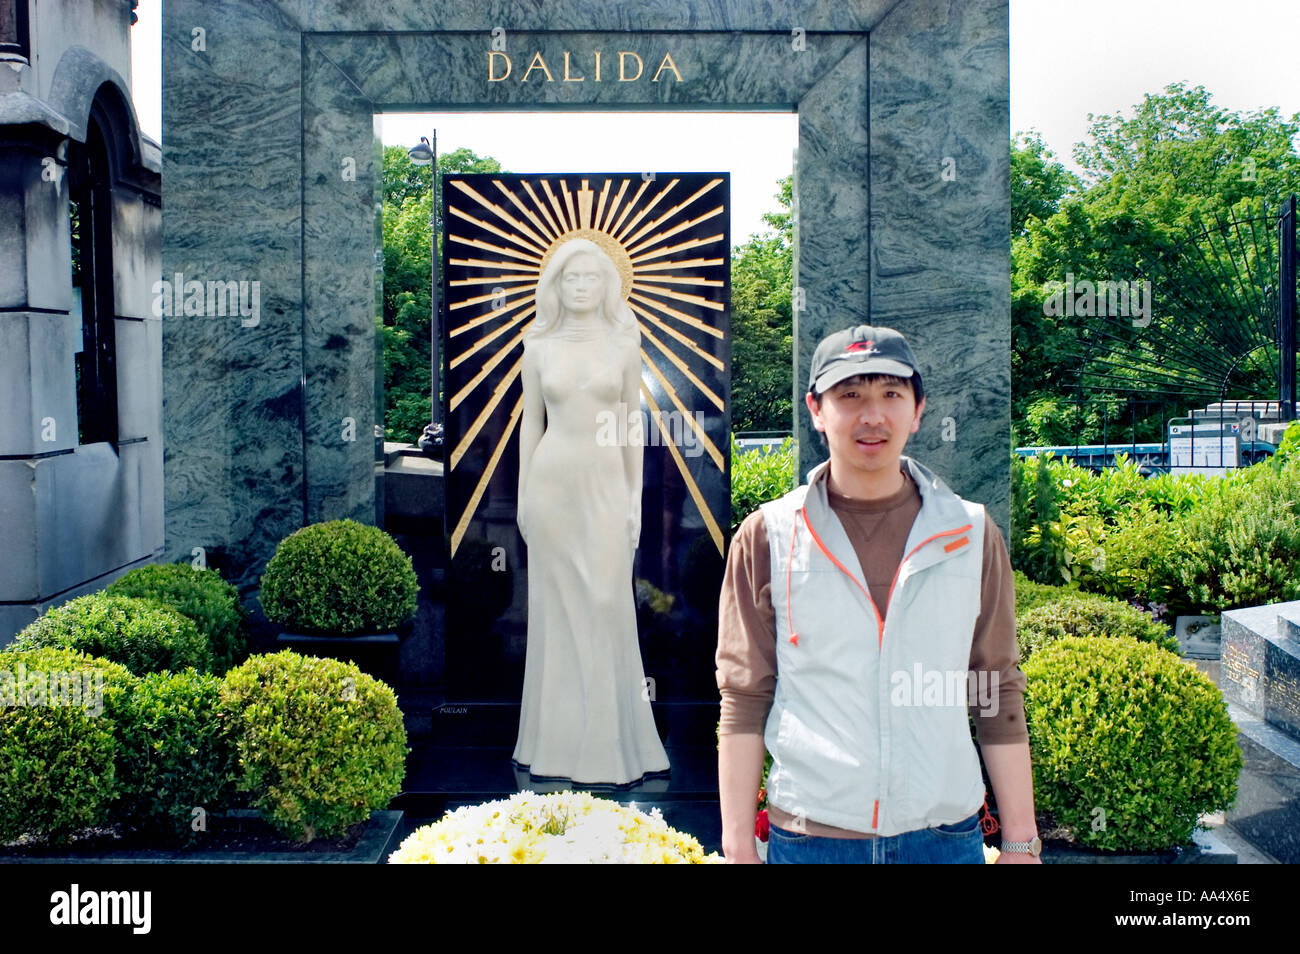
x=1086, y=614
x=142, y=635
x=59, y=711
x=320, y=743
x=177, y=754
x=339, y=577
x=202, y=596
x=1130, y=744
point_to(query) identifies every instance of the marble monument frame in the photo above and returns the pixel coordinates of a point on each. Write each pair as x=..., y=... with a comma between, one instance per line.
x=901, y=189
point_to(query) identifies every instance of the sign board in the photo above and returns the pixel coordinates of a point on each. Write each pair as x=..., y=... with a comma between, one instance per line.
x=1204, y=448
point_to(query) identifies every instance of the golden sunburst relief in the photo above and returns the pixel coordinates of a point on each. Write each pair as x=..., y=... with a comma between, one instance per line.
x=668, y=238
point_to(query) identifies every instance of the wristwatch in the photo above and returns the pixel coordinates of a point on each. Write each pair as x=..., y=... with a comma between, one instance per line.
x=1034, y=847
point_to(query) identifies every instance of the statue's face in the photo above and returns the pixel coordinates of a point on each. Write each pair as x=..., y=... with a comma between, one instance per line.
x=582, y=287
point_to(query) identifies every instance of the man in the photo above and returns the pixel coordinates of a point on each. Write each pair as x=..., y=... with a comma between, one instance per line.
x=849, y=606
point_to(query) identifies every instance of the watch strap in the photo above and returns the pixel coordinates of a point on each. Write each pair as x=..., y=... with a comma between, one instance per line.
x=1033, y=847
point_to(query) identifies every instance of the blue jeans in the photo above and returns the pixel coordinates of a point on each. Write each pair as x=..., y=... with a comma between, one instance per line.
x=961, y=843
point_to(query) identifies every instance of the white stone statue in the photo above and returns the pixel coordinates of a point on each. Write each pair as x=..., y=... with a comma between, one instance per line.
x=586, y=713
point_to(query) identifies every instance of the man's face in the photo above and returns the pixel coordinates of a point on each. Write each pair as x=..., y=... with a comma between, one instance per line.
x=867, y=422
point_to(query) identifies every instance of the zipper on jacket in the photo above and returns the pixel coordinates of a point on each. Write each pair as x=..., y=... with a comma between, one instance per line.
x=949, y=548
x=880, y=620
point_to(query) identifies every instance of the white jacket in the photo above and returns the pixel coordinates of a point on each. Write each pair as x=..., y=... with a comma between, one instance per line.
x=850, y=745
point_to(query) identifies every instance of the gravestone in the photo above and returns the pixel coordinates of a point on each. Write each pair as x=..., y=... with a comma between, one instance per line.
x=1260, y=678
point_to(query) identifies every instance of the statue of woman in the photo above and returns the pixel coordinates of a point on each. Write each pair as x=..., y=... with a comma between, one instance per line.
x=585, y=714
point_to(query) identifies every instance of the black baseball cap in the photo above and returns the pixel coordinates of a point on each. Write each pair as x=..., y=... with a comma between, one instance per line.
x=861, y=350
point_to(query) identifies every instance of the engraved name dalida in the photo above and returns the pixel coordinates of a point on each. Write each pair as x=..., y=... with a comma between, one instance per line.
x=580, y=67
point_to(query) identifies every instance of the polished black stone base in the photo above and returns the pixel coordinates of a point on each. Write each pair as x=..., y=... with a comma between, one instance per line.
x=442, y=780
x=442, y=776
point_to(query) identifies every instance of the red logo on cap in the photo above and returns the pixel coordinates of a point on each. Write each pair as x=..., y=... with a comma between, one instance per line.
x=859, y=347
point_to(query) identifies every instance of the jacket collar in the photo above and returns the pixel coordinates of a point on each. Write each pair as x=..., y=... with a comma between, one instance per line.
x=941, y=511
x=939, y=505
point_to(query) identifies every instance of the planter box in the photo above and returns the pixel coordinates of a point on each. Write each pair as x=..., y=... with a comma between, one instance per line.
x=375, y=654
x=1209, y=850
x=367, y=846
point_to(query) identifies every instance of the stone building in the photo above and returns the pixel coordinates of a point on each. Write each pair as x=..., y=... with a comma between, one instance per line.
x=81, y=497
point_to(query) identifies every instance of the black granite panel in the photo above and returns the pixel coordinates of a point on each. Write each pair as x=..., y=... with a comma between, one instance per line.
x=683, y=315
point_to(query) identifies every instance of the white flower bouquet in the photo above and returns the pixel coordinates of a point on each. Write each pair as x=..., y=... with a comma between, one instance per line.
x=560, y=828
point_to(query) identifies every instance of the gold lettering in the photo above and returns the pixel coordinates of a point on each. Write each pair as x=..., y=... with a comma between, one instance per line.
x=598, y=66
x=622, y=71
x=667, y=64
x=538, y=64
x=567, y=77
x=492, y=55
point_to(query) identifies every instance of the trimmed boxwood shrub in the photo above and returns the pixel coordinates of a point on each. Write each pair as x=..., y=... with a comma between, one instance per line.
x=142, y=635
x=58, y=745
x=339, y=577
x=1190, y=544
x=177, y=753
x=1086, y=614
x=1130, y=744
x=320, y=743
x=1030, y=594
x=1241, y=545
x=202, y=596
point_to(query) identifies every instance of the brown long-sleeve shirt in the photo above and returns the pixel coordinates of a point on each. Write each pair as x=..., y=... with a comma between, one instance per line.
x=878, y=530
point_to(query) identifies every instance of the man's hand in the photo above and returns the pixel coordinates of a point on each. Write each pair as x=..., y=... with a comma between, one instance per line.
x=1016, y=858
x=1012, y=777
x=741, y=856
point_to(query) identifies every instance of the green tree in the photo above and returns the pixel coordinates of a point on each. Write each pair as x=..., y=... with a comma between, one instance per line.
x=761, y=322
x=1179, y=155
x=407, y=321
x=1176, y=163
x=1038, y=182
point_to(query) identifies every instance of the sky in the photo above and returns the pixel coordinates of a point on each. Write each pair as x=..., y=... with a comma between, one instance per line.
x=1069, y=58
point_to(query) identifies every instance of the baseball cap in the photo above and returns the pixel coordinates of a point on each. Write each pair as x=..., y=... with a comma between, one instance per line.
x=861, y=350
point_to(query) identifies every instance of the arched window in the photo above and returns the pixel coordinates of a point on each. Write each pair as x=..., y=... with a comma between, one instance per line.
x=90, y=179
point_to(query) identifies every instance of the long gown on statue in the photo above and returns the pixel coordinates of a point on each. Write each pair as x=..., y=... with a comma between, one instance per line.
x=585, y=715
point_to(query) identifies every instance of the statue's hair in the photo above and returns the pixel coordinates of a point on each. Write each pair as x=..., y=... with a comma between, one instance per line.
x=550, y=314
